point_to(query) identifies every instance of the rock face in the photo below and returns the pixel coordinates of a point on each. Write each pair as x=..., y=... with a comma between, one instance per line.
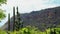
x=42, y=19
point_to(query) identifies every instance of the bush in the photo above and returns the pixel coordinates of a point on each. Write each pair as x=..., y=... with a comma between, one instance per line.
x=3, y=32
x=32, y=30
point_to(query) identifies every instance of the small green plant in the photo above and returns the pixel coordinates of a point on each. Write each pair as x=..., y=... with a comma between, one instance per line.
x=32, y=30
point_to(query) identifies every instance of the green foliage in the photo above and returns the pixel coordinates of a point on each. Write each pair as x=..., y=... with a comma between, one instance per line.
x=29, y=30
x=26, y=30
x=3, y=2
x=32, y=30
x=2, y=14
x=2, y=32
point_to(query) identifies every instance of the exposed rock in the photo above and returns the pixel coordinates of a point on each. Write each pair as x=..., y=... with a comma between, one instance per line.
x=42, y=19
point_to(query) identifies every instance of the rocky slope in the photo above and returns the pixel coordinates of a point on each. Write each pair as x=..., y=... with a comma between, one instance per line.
x=42, y=19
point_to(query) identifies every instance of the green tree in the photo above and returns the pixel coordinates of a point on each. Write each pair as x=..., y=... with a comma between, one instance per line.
x=3, y=2
x=2, y=14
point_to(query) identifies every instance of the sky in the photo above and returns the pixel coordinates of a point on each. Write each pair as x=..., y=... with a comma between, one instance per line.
x=27, y=6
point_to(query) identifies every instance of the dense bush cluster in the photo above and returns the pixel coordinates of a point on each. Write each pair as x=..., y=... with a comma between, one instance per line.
x=32, y=30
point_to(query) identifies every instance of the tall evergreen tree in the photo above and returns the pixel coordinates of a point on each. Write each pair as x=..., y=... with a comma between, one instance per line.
x=8, y=22
x=13, y=18
x=18, y=22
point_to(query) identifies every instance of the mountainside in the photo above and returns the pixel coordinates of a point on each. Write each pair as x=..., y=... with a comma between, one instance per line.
x=42, y=19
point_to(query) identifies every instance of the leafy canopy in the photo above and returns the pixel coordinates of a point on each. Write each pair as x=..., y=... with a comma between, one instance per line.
x=2, y=14
x=3, y=2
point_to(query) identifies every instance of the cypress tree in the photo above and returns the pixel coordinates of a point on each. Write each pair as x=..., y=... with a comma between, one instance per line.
x=18, y=23
x=13, y=18
x=8, y=22
x=18, y=20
